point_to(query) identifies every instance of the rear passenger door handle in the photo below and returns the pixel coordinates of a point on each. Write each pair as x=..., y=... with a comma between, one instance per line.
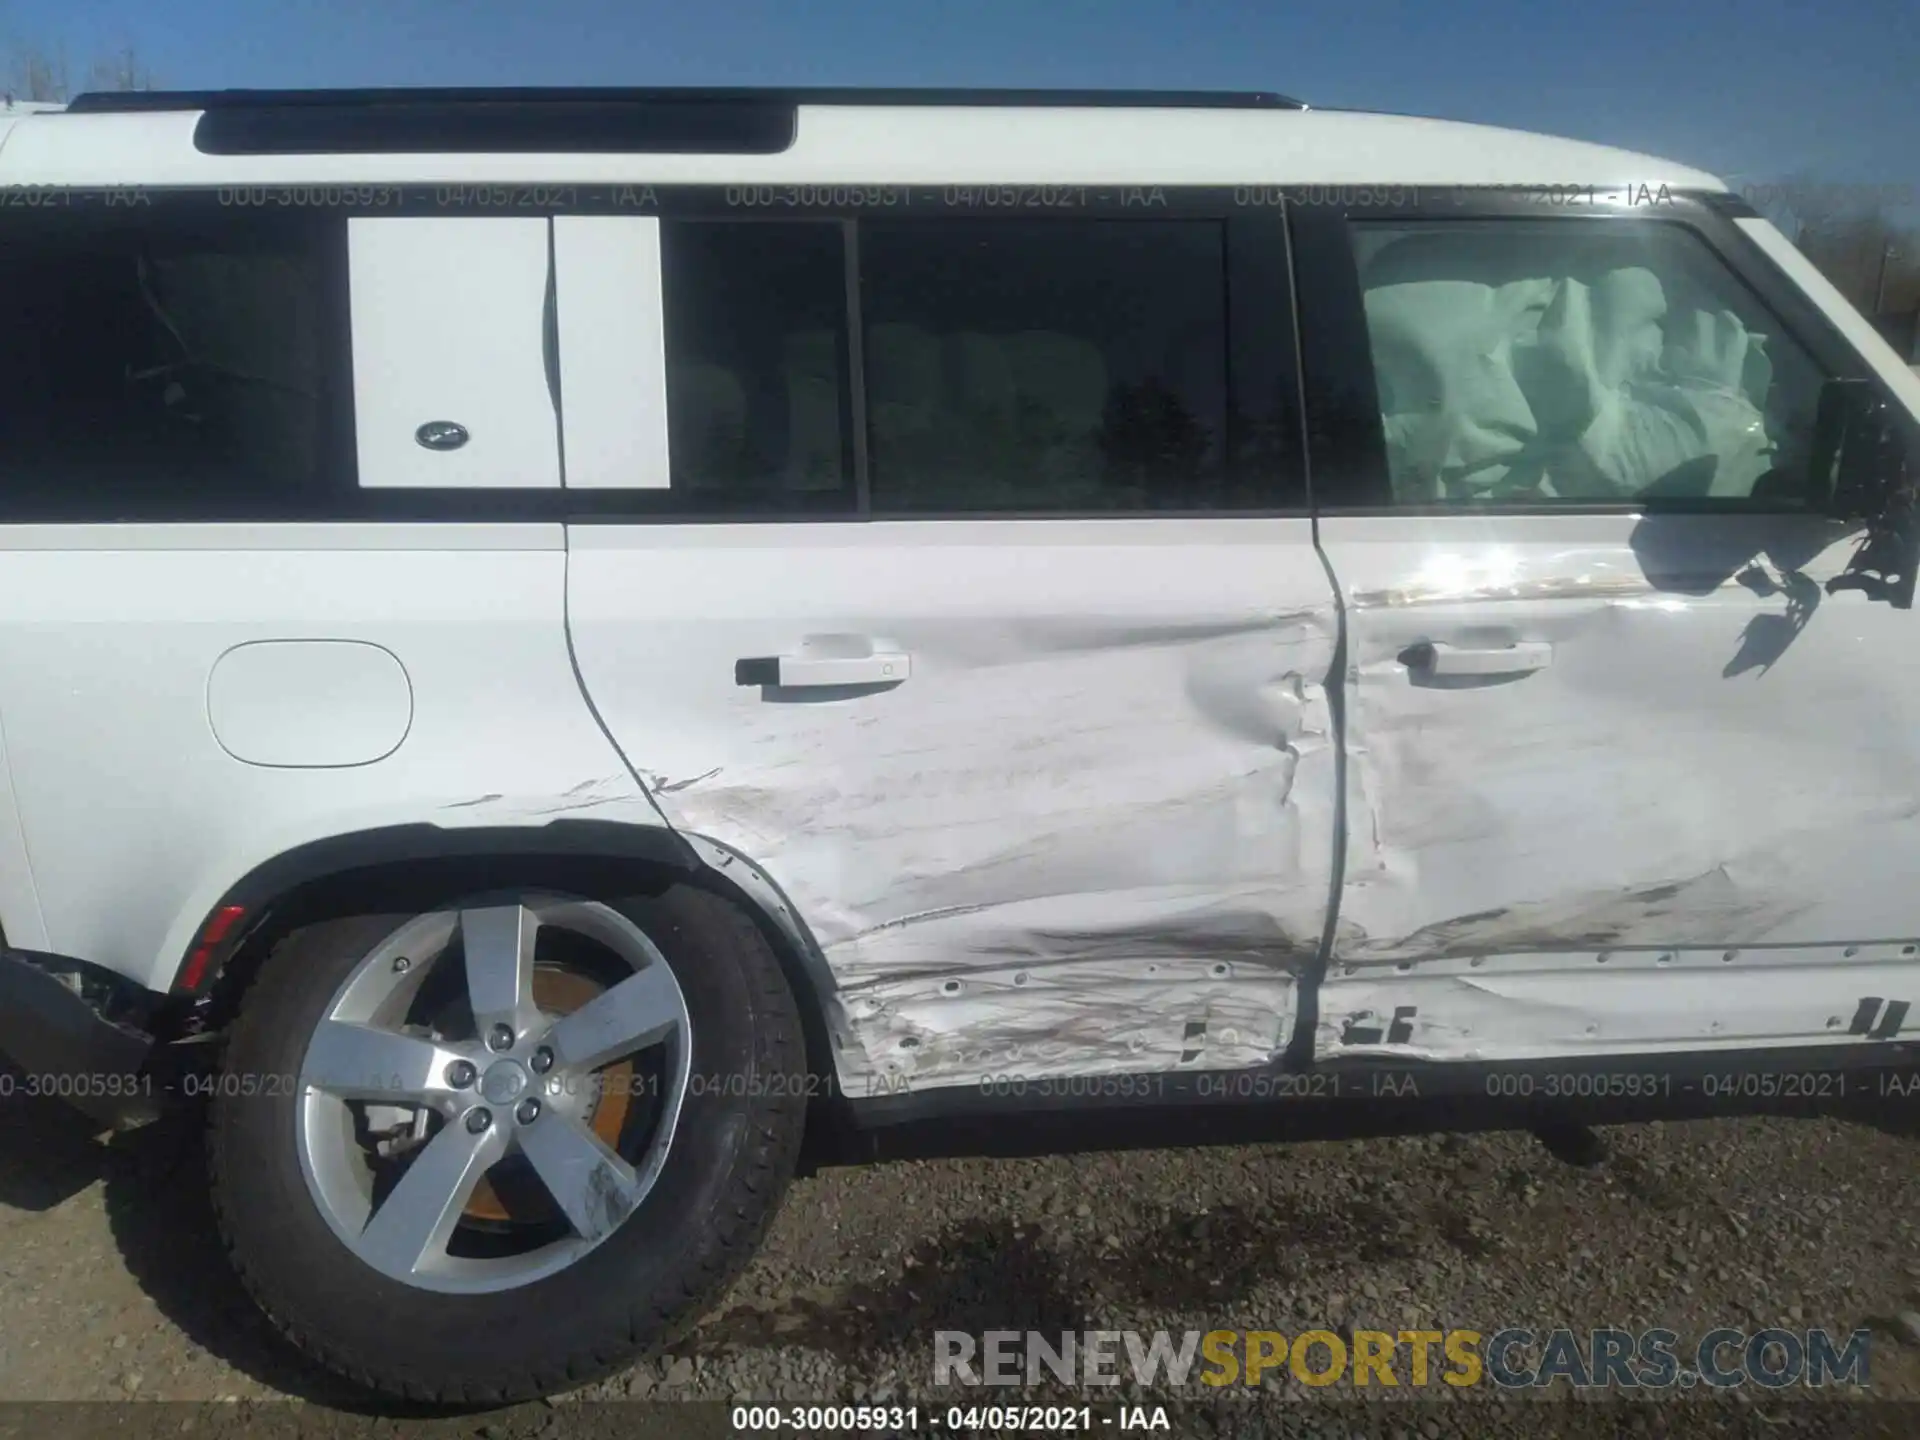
x=800, y=672
x=1433, y=658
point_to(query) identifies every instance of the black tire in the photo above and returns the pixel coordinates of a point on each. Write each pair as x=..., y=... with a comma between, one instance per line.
x=732, y=1155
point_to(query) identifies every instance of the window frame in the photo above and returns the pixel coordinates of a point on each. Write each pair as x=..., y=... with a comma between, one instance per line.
x=685, y=503
x=335, y=472
x=1254, y=257
x=1258, y=271
x=1346, y=435
x=1243, y=243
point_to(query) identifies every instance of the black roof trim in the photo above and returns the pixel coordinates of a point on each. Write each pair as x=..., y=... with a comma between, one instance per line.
x=133, y=101
x=529, y=127
x=558, y=122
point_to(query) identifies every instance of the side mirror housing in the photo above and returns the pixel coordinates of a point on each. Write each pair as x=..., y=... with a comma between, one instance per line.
x=1864, y=468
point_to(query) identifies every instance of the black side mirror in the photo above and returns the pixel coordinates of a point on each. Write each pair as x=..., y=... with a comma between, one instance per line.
x=1863, y=467
x=1858, y=457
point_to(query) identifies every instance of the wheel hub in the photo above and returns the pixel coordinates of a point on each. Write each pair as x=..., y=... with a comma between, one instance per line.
x=603, y=1107
x=504, y=1082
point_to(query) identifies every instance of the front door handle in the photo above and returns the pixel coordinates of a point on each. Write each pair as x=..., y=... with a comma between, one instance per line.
x=1433, y=658
x=799, y=672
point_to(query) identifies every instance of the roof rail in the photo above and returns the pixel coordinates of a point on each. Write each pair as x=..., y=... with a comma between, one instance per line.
x=123, y=101
x=557, y=122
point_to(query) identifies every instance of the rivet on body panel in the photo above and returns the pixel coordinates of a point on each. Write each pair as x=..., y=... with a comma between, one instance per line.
x=1666, y=959
x=1727, y=958
x=1021, y=978
x=1221, y=971
x=1476, y=962
x=951, y=987
x=1910, y=949
x=1404, y=966
x=1851, y=950
x=1601, y=958
x=1593, y=1029
x=1833, y=1022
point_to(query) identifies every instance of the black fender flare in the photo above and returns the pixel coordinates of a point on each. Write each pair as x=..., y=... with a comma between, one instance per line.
x=256, y=893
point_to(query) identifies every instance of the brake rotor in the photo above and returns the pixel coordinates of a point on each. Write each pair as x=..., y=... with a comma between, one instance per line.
x=558, y=992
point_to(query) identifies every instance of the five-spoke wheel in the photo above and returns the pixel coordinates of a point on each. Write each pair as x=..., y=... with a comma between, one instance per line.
x=490, y=1173
x=436, y=1064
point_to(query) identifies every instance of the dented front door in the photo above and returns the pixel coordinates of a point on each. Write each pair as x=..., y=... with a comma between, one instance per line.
x=1625, y=772
x=1619, y=785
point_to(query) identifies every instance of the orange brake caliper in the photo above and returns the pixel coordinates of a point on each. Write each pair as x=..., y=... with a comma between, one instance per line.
x=561, y=992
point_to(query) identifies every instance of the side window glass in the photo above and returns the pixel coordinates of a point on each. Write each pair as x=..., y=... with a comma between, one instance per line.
x=757, y=379
x=1046, y=365
x=162, y=364
x=1526, y=363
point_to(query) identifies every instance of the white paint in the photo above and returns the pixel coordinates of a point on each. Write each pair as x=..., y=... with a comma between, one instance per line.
x=314, y=535
x=1092, y=831
x=21, y=923
x=1091, y=773
x=903, y=145
x=827, y=661
x=1510, y=659
x=448, y=325
x=137, y=820
x=1530, y=1006
x=1691, y=769
x=317, y=703
x=613, y=351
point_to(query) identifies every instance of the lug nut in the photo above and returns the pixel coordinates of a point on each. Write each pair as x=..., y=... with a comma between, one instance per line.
x=500, y=1038
x=461, y=1074
x=528, y=1112
x=479, y=1120
x=542, y=1060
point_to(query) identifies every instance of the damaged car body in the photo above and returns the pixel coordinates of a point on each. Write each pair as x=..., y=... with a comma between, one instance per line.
x=1595, y=802
x=702, y=634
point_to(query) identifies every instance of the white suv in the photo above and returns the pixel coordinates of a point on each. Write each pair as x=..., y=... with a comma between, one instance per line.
x=552, y=642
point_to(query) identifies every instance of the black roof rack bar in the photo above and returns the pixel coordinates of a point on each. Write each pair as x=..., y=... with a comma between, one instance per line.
x=134, y=101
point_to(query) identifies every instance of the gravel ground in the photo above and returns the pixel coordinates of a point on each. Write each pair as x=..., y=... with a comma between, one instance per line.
x=112, y=1285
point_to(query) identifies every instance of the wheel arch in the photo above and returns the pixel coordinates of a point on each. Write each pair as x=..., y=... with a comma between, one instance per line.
x=415, y=865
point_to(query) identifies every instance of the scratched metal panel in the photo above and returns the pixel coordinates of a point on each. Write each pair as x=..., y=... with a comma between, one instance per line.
x=1091, y=833
x=1527, y=1006
x=1719, y=754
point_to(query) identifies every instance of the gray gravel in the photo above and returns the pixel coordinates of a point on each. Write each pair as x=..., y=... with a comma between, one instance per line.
x=111, y=1284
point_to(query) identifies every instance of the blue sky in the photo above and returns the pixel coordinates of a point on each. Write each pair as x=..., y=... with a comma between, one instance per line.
x=1753, y=89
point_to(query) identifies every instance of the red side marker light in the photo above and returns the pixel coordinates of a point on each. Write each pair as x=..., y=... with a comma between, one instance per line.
x=216, y=930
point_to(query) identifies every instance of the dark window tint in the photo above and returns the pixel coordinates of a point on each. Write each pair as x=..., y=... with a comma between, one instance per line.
x=757, y=393
x=1047, y=365
x=155, y=364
